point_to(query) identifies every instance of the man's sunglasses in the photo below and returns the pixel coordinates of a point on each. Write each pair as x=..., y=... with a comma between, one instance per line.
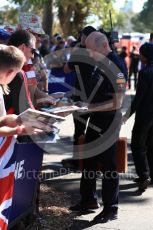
x=33, y=51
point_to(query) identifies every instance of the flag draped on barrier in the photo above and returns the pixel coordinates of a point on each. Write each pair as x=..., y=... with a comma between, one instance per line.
x=7, y=168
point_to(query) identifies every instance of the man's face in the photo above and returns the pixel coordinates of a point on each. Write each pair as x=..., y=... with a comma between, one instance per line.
x=29, y=50
x=38, y=40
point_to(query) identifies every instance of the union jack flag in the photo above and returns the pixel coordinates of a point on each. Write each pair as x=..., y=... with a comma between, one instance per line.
x=7, y=168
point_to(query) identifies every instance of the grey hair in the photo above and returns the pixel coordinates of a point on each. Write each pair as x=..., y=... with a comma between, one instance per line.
x=100, y=39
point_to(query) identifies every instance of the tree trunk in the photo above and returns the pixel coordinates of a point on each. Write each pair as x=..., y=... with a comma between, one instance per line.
x=48, y=17
x=65, y=19
x=72, y=17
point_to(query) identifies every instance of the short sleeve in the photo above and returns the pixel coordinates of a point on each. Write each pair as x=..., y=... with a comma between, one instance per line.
x=2, y=106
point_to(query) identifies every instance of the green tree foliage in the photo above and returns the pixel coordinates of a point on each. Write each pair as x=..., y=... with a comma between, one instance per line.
x=42, y=8
x=143, y=21
x=73, y=14
x=30, y=2
x=101, y=8
x=10, y=17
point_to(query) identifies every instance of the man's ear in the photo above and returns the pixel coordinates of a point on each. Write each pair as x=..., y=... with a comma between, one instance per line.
x=105, y=45
x=21, y=47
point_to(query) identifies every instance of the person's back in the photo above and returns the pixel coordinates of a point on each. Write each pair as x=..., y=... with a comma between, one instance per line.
x=83, y=66
x=16, y=101
x=144, y=93
x=133, y=68
x=134, y=61
x=145, y=88
x=142, y=133
x=106, y=69
x=123, y=53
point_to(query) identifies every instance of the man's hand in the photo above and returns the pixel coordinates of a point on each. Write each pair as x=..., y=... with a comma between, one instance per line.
x=81, y=104
x=47, y=101
x=27, y=130
x=64, y=114
x=10, y=120
x=58, y=95
x=124, y=119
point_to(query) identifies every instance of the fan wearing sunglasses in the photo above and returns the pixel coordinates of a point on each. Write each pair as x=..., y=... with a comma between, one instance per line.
x=20, y=98
x=39, y=77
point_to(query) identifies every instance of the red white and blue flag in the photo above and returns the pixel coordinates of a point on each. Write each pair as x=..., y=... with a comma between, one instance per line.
x=7, y=168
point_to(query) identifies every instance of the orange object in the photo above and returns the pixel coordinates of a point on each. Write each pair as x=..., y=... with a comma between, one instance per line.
x=122, y=155
x=122, y=165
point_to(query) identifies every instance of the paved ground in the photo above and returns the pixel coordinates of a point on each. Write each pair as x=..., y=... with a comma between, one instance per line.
x=135, y=210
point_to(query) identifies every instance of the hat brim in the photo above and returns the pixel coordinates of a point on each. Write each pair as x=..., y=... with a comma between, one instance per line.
x=39, y=31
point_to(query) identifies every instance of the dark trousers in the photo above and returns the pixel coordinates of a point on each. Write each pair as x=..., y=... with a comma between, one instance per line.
x=80, y=123
x=142, y=148
x=106, y=160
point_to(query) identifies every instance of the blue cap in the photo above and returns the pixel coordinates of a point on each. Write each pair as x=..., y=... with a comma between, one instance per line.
x=4, y=35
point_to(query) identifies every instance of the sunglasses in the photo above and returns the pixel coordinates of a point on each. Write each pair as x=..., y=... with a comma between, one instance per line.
x=33, y=51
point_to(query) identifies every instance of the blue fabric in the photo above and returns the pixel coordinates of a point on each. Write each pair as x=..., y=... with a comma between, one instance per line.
x=119, y=62
x=60, y=81
x=4, y=35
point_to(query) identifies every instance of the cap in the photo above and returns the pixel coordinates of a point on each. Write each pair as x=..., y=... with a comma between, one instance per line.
x=88, y=30
x=71, y=38
x=36, y=30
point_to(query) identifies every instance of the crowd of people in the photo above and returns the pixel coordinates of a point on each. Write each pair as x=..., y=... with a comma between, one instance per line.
x=101, y=78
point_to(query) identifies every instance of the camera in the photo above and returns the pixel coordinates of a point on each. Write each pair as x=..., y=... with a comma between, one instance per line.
x=112, y=36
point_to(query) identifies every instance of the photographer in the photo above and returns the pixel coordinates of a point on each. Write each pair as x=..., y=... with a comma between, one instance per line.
x=82, y=64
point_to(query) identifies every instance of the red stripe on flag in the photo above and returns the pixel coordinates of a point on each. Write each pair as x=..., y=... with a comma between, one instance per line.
x=6, y=185
x=5, y=146
x=3, y=225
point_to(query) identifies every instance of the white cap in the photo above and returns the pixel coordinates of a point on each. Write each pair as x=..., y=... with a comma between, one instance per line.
x=71, y=38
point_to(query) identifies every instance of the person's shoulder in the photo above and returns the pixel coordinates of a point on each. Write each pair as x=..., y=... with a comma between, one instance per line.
x=147, y=70
x=145, y=74
x=80, y=56
x=19, y=74
x=17, y=79
x=120, y=64
x=115, y=58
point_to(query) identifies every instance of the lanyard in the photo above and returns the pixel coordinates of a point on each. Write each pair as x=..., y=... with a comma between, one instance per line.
x=27, y=90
